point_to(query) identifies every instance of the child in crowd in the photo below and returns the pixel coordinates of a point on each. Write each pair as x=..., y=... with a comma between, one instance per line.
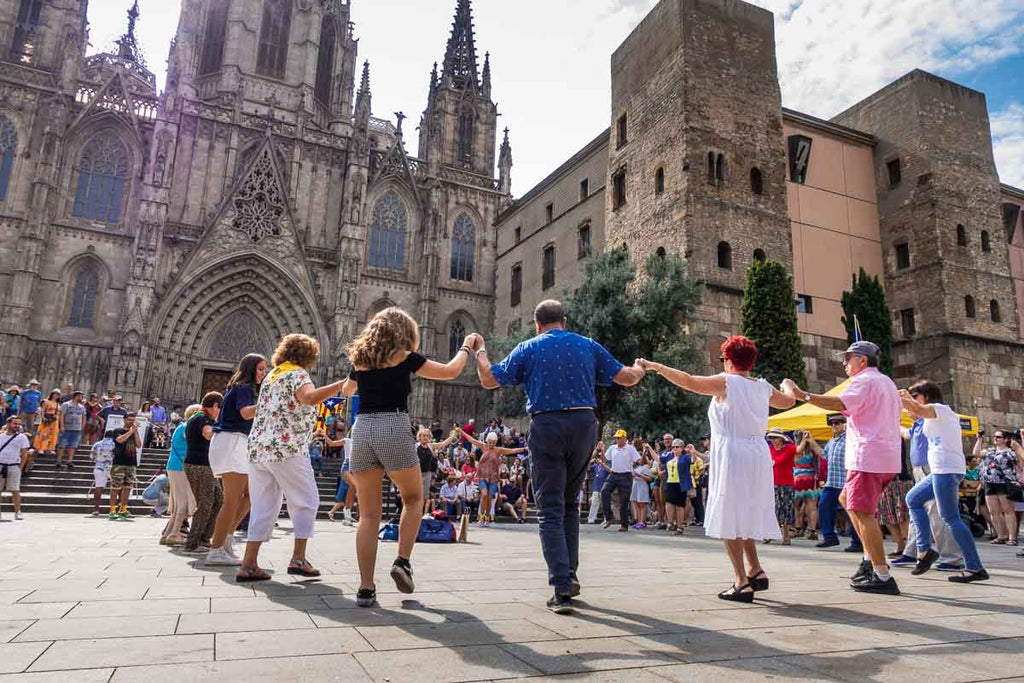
x=316, y=452
x=102, y=454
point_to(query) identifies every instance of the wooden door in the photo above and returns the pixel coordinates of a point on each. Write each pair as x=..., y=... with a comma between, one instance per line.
x=215, y=380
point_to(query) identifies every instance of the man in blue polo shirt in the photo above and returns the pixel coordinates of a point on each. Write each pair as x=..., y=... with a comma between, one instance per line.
x=559, y=371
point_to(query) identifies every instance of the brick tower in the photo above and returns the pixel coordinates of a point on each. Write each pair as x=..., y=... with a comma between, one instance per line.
x=696, y=161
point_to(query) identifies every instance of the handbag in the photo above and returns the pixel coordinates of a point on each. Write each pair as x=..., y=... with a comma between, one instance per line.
x=48, y=418
x=1014, y=491
x=436, y=531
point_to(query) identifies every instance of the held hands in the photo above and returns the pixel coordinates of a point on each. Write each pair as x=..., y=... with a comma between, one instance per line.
x=646, y=365
x=790, y=388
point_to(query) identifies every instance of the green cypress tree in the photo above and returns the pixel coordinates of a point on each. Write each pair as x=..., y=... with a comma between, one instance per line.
x=866, y=300
x=769, y=319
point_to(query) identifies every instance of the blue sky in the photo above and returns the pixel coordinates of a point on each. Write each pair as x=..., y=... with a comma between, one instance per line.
x=551, y=59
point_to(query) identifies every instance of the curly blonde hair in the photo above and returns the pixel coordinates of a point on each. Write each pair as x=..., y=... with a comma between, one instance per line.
x=300, y=349
x=390, y=332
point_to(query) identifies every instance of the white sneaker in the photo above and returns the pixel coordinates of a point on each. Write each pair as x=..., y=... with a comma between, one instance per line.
x=218, y=557
x=229, y=546
x=348, y=521
x=17, y=515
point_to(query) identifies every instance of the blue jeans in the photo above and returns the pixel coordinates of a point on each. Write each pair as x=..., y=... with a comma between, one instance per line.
x=560, y=446
x=943, y=489
x=828, y=505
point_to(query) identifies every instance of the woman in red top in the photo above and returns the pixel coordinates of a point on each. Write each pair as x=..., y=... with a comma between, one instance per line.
x=783, y=454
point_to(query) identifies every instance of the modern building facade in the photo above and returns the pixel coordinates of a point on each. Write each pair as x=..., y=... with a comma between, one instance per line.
x=148, y=240
x=703, y=161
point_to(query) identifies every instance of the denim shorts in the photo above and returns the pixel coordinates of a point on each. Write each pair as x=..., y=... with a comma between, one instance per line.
x=69, y=439
x=490, y=486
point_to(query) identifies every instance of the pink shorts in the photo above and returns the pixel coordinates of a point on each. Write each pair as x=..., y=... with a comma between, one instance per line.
x=863, y=490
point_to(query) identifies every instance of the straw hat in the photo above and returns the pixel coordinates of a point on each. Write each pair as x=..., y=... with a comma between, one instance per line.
x=776, y=434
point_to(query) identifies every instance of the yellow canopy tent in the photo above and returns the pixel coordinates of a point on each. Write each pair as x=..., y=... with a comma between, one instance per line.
x=813, y=419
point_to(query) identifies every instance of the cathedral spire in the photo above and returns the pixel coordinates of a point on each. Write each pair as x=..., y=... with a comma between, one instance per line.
x=460, y=68
x=505, y=166
x=363, y=105
x=433, y=81
x=485, y=88
x=127, y=47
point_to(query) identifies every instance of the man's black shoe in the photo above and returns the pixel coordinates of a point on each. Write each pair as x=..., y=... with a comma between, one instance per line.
x=877, y=585
x=853, y=549
x=560, y=604
x=827, y=543
x=624, y=528
x=864, y=571
x=575, y=587
x=925, y=562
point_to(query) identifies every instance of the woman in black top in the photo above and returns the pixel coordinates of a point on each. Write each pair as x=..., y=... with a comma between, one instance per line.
x=205, y=487
x=229, y=459
x=384, y=358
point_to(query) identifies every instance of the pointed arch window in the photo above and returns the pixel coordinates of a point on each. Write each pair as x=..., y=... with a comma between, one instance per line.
x=467, y=125
x=456, y=334
x=463, y=248
x=388, y=228
x=8, y=148
x=325, y=61
x=213, y=39
x=84, y=287
x=273, y=47
x=102, y=176
x=23, y=49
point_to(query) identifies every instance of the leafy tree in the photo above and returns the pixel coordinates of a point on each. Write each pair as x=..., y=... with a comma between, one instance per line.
x=769, y=319
x=508, y=401
x=866, y=300
x=642, y=317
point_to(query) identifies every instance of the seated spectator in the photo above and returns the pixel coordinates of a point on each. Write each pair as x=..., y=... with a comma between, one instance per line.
x=469, y=496
x=510, y=498
x=449, y=498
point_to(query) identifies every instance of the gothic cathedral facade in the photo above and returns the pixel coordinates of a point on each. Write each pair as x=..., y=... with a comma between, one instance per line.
x=148, y=240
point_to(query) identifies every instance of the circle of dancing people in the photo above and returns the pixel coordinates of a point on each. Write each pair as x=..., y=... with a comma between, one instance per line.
x=242, y=454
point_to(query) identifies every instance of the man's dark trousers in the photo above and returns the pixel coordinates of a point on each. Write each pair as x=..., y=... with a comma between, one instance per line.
x=624, y=482
x=828, y=506
x=560, y=446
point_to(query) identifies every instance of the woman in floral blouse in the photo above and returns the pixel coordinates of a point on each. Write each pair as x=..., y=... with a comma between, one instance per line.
x=998, y=468
x=278, y=462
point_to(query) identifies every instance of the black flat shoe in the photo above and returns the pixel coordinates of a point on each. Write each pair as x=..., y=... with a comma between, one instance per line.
x=737, y=594
x=970, y=577
x=925, y=562
x=874, y=584
x=758, y=582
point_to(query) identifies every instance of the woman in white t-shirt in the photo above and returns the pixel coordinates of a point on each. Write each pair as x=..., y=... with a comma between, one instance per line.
x=947, y=466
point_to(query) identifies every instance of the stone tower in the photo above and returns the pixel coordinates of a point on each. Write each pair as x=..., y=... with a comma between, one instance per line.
x=696, y=163
x=947, y=260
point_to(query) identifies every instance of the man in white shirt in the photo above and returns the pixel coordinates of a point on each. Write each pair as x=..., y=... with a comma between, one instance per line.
x=469, y=496
x=619, y=461
x=13, y=454
x=450, y=498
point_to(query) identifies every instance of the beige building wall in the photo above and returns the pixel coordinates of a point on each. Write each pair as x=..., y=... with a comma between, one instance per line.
x=570, y=211
x=834, y=215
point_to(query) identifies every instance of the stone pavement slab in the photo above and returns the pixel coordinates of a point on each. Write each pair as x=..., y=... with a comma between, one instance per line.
x=111, y=604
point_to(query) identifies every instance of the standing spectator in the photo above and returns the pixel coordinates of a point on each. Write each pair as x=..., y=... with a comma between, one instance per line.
x=317, y=446
x=659, y=490
x=563, y=430
x=892, y=508
x=872, y=403
x=598, y=474
x=622, y=458
x=740, y=505
x=805, y=486
x=698, y=471
x=71, y=419
x=12, y=401
x=102, y=456
x=13, y=454
x=834, y=453
x=159, y=422
x=91, y=432
x=176, y=417
x=127, y=442
x=29, y=406
x=488, y=472
x=641, y=493
x=114, y=409
x=183, y=503
x=46, y=435
x=678, y=484
x=345, y=494
x=999, y=470
x=69, y=391
x=426, y=452
x=947, y=468
x=783, y=454
x=205, y=486
x=468, y=429
x=229, y=460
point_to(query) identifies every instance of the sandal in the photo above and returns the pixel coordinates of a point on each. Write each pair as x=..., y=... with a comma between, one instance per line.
x=1012, y=541
x=679, y=532
x=303, y=568
x=758, y=582
x=998, y=541
x=737, y=594
x=251, y=574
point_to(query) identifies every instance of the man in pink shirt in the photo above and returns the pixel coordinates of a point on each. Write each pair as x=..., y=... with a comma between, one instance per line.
x=872, y=405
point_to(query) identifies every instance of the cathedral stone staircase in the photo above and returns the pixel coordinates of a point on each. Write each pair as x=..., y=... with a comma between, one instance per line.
x=47, y=489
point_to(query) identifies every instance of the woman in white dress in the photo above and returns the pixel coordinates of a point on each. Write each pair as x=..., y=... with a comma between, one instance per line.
x=741, y=500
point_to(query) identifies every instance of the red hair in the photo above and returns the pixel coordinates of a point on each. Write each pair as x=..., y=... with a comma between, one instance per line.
x=740, y=351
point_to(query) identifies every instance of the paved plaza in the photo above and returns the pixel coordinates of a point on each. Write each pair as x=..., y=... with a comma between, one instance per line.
x=85, y=599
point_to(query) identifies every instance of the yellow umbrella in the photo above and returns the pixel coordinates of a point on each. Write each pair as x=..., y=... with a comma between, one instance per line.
x=814, y=419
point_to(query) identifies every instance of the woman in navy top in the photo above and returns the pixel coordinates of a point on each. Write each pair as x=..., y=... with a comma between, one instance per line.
x=228, y=456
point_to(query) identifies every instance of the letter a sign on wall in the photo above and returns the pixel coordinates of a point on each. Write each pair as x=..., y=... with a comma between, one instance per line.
x=799, y=157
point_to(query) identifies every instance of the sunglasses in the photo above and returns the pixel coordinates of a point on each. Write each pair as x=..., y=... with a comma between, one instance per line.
x=835, y=422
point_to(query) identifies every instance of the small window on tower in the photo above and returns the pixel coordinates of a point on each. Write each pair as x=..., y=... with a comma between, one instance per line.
x=548, y=274
x=804, y=304
x=756, y=181
x=902, y=256
x=516, y=291
x=549, y=213
x=519, y=235
x=760, y=256
x=961, y=236
x=619, y=189
x=584, y=189
x=583, y=241
x=907, y=322
x=969, y=306
x=895, y=173
x=659, y=181
x=620, y=132
x=725, y=255
x=986, y=243
x=720, y=169
x=993, y=309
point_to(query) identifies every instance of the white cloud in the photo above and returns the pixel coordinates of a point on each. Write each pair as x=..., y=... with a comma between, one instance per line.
x=1008, y=142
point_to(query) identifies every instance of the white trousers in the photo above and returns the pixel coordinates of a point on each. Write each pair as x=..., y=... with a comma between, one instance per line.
x=269, y=483
x=182, y=498
x=595, y=506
